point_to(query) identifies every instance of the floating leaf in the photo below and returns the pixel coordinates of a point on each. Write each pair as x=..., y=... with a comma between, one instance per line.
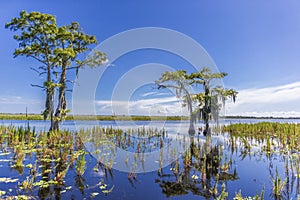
x=45, y=184
x=195, y=177
x=4, y=160
x=29, y=166
x=96, y=169
x=68, y=188
x=94, y=194
x=8, y=180
x=108, y=191
x=4, y=154
x=47, y=171
x=103, y=186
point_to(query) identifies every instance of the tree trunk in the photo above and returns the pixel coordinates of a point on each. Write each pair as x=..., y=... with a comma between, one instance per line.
x=49, y=104
x=192, y=127
x=62, y=104
x=192, y=117
x=207, y=129
x=207, y=110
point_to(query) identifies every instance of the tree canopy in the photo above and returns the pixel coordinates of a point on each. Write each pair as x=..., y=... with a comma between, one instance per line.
x=58, y=50
x=204, y=104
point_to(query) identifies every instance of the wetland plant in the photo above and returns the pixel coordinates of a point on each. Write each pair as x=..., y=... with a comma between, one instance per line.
x=278, y=185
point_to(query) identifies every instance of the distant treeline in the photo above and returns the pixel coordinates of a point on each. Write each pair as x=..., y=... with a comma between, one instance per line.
x=252, y=117
x=22, y=116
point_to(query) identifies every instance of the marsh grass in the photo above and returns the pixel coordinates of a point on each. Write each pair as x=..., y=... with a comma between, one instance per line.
x=204, y=169
x=282, y=138
x=50, y=156
x=278, y=185
x=275, y=140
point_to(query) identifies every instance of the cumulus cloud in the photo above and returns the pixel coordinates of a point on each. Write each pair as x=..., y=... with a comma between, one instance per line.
x=277, y=101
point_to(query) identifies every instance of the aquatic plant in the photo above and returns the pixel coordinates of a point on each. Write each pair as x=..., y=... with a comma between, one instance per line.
x=80, y=164
x=239, y=196
x=274, y=136
x=278, y=185
x=224, y=194
x=27, y=184
x=53, y=153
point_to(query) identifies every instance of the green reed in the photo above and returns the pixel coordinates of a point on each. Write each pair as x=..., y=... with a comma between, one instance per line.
x=283, y=136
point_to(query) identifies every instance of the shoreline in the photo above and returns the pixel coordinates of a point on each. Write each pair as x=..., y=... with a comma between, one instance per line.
x=22, y=116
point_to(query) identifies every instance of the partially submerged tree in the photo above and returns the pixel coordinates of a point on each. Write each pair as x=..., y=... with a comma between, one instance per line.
x=57, y=50
x=211, y=100
x=203, y=105
x=36, y=39
x=71, y=42
x=179, y=81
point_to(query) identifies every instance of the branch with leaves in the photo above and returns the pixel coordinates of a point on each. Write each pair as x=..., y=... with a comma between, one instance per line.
x=204, y=105
x=57, y=48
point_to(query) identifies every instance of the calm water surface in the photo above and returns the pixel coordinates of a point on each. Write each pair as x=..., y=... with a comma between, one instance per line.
x=247, y=172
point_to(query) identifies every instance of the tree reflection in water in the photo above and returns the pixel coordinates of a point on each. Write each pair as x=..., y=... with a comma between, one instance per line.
x=199, y=171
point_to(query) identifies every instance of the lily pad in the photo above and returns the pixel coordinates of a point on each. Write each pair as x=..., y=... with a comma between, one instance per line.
x=95, y=194
x=4, y=154
x=195, y=177
x=2, y=192
x=8, y=180
x=29, y=166
x=5, y=160
x=68, y=188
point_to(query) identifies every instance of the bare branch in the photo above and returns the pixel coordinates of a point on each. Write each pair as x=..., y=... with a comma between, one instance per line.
x=33, y=85
x=33, y=69
x=36, y=58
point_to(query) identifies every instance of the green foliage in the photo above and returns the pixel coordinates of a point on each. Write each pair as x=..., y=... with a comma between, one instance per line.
x=278, y=185
x=57, y=48
x=80, y=165
x=239, y=196
x=224, y=194
x=53, y=153
x=204, y=104
x=36, y=35
x=285, y=135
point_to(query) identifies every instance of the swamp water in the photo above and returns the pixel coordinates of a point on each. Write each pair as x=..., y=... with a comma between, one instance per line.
x=70, y=166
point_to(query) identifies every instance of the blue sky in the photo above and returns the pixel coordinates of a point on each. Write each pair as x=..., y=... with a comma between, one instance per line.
x=256, y=42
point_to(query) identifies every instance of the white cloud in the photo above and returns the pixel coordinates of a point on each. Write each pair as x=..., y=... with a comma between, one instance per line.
x=148, y=107
x=148, y=94
x=18, y=104
x=278, y=101
x=155, y=94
